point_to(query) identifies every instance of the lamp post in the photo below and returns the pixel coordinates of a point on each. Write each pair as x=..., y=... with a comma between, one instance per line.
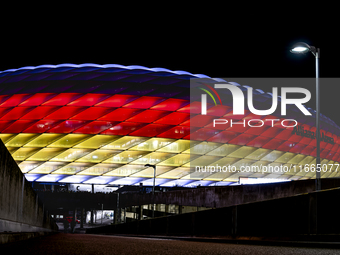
x=153, y=188
x=299, y=48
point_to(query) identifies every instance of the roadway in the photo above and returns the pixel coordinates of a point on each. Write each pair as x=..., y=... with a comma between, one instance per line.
x=84, y=244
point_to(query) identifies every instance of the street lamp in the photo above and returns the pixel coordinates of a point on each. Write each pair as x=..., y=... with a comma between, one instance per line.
x=299, y=48
x=153, y=188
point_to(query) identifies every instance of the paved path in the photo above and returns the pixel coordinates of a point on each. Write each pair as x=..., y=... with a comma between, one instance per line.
x=84, y=244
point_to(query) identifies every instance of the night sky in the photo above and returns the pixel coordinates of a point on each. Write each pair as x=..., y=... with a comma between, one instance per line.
x=214, y=47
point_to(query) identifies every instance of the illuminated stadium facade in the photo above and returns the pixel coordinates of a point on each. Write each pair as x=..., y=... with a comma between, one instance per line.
x=100, y=124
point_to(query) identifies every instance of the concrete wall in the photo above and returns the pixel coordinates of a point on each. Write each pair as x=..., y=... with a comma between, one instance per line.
x=20, y=208
x=217, y=197
x=304, y=216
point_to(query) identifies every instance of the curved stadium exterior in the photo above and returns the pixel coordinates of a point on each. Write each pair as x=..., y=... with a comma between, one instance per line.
x=100, y=124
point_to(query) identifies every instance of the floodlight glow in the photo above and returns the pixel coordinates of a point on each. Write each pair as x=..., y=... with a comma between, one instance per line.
x=300, y=49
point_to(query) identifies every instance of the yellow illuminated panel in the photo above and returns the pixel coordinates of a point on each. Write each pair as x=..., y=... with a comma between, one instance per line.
x=126, y=157
x=178, y=160
x=20, y=140
x=97, y=141
x=243, y=163
x=148, y=172
x=219, y=176
x=242, y=152
x=152, y=144
x=273, y=155
x=297, y=159
x=176, y=173
x=126, y=170
x=43, y=140
x=202, y=161
x=258, y=154
x=226, y=161
x=98, y=156
x=153, y=158
x=306, y=160
x=73, y=168
x=12, y=149
x=27, y=166
x=99, y=169
x=46, y=154
x=224, y=150
x=23, y=153
x=285, y=157
x=6, y=137
x=203, y=148
x=47, y=167
x=125, y=143
x=71, y=155
x=69, y=140
x=178, y=146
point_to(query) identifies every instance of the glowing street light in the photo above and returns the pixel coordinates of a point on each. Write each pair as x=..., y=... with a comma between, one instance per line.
x=299, y=48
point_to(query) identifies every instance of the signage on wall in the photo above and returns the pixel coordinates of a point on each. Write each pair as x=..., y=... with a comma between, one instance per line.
x=300, y=131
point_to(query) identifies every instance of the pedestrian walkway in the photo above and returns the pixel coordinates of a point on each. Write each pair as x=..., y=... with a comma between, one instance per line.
x=83, y=244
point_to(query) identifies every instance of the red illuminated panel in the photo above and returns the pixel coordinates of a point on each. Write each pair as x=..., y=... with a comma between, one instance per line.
x=67, y=126
x=273, y=144
x=286, y=146
x=177, y=132
x=42, y=126
x=238, y=127
x=307, y=150
x=18, y=126
x=335, y=147
x=256, y=130
x=329, y=146
x=15, y=100
x=151, y=130
x=38, y=99
x=335, y=158
x=284, y=134
x=39, y=112
x=219, y=110
x=89, y=100
x=121, y=114
x=123, y=128
x=170, y=105
x=272, y=132
x=298, y=148
x=242, y=139
x=203, y=134
x=95, y=127
x=3, y=98
x=144, y=102
x=322, y=144
x=92, y=113
x=64, y=113
x=259, y=141
x=193, y=108
x=223, y=137
x=148, y=116
x=16, y=113
x=324, y=153
x=294, y=138
x=116, y=101
x=330, y=155
x=230, y=115
x=201, y=120
x=5, y=123
x=305, y=140
x=4, y=110
x=174, y=118
x=63, y=99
